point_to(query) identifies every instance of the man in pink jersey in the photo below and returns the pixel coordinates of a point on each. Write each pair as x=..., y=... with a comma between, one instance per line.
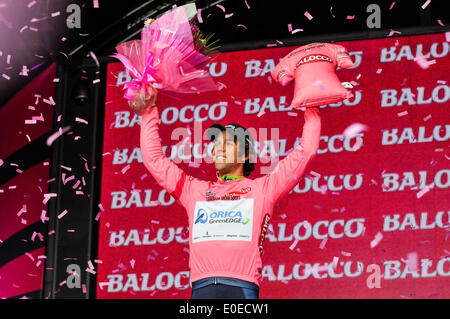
x=228, y=217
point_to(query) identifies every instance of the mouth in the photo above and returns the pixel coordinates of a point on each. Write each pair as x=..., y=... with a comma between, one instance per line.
x=220, y=158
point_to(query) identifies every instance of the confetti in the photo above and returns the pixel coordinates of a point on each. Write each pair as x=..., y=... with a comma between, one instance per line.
x=221, y=7
x=393, y=32
x=48, y=196
x=376, y=240
x=241, y=25
x=52, y=138
x=23, y=210
x=379, y=71
x=350, y=17
x=62, y=214
x=426, y=4
x=32, y=3
x=423, y=63
x=290, y=27
x=344, y=253
x=440, y=22
x=308, y=15
x=423, y=192
x=126, y=168
x=393, y=3
x=355, y=129
x=293, y=244
x=402, y=113
x=292, y=114
x=96, y=5
x=296, y=30
x=78, y=119
x=426, y=118
x=411, y=261
x=199, y=15
x=44, y=218
x=323, y=243
x=248, y=7
x=358, y=144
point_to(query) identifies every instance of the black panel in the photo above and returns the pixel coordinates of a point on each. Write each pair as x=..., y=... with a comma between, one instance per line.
x=65, y=248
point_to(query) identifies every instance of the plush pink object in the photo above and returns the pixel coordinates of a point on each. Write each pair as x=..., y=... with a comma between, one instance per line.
x=313, y=68
x=165, y=58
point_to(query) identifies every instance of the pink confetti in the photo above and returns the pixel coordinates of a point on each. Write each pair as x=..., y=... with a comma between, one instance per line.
x=358, y=144
x=426, y=118
x=44, y=218
x=308, y=15
x=23, y=210
x=323, y=243
x=426, y=4
x=30, y=256
x=440, y=22
x=391, y=5
x=355, y=129
x=6, y=77
x=126, y=168
x=344, y=253
x=241, y=25
x=402, y=113
x=293, y=244
x=228, y=15
x=248, y=7
x=423, y=192
x=32, y=3
x=290, y=27
x=423, y=63
x=62, y=214
x=77, y=119
x=84, y=288
x=393, y=32
x=335, y=262
x=292, y=114
x=132, y=262
x=96, y=5
x=296, y=30
x=411, y=261
x=48, y=196
x=221, y=7
x=379, y=71
x=376, y=240
x=199, y=15
x=350, y=17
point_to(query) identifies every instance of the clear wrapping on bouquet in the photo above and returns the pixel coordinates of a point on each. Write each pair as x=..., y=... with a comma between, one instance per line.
x=166, y=58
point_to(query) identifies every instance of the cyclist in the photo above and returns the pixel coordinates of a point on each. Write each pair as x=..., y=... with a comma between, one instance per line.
x=228, y=217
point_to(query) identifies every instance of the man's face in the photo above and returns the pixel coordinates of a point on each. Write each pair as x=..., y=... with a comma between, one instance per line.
x=225, y=153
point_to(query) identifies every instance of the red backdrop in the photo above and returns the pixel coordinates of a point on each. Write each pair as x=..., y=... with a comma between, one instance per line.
x=380, y=199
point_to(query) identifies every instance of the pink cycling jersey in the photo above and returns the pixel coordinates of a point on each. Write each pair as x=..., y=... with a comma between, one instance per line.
x=228, y=219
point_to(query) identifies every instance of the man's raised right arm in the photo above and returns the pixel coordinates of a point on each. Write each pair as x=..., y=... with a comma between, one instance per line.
x=164, y=171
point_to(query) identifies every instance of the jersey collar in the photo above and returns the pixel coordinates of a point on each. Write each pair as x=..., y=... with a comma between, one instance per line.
x=227, y=178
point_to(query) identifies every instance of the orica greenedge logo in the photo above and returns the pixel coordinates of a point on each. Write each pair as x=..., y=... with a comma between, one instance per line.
x=220, y=217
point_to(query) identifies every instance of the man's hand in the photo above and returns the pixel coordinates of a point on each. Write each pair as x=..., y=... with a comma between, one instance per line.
x=143, y=100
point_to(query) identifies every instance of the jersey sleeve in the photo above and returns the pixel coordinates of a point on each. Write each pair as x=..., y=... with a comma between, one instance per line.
x=164, y=171
x=289, y=170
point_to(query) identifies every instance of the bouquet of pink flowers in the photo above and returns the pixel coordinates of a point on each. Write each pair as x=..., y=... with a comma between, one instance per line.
x=170, y=57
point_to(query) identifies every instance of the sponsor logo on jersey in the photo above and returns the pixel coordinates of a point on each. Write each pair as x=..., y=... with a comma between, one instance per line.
x=313, y=58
